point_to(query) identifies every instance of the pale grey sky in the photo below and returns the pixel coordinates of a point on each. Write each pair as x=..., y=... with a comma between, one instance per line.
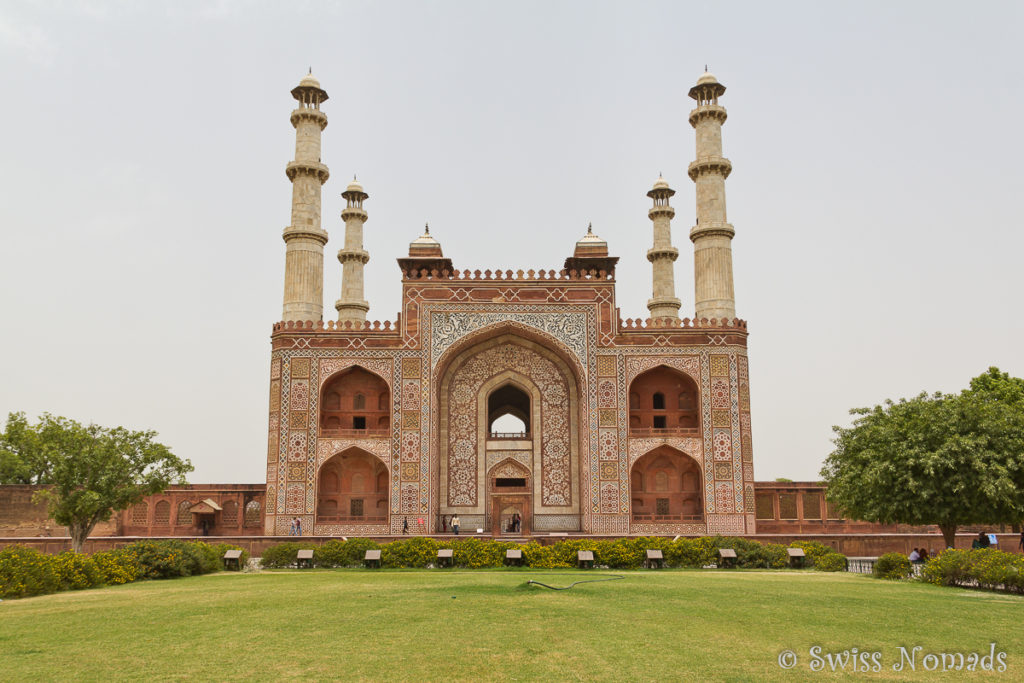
x=876, y=190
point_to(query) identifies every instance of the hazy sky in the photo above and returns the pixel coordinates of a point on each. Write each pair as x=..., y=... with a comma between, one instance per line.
x=876, y=192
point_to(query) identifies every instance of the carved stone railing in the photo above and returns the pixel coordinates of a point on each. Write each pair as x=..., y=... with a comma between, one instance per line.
x=503, y=275
x=647, y=432
x=335, y=519
x=331, y=326
x=357, y=433
x=639, y=517
x=631, y=324
x=510, y=436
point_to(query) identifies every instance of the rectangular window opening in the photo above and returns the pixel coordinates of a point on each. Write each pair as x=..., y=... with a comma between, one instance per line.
x=358, y=423
x=356, y=507
x=659, y=422
x=508, y=482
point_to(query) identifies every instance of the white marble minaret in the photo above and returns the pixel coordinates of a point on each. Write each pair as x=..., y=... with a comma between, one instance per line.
x=351, y=306
x=712, y=236
x=304, y=238
x=662, y=255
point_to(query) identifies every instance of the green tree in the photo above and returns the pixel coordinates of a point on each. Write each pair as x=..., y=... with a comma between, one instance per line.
x=944, y=459
x=89, y=471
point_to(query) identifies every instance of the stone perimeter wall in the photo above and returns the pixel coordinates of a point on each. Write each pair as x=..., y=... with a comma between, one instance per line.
x=20, y=517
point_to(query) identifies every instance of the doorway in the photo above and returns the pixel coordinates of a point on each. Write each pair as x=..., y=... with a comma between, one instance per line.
x=504, y=512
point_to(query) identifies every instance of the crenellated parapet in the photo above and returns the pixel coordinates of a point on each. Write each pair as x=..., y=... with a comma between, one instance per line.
x=362, y=326
x=507, y=275
x=696, y=324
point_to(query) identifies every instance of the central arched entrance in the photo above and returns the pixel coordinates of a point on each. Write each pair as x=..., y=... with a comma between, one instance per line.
x=509, y=402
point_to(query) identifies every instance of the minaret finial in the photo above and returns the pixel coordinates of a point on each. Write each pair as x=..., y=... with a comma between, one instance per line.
x=311, y=70
x=590, y=228
x=705, y=68
x=426, y=226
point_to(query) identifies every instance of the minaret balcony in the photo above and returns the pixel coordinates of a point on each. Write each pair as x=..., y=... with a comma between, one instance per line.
x=709, y=164
x=712, y=229
x=662, y=252
x=313, y=168
x=309, y=114
x=707, y=111
x=357, y=255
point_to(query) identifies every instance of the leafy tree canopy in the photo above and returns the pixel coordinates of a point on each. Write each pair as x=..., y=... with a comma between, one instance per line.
x=91, y=471
x=945, y=459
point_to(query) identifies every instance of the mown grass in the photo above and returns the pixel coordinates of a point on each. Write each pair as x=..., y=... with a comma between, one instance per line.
x=489, y=625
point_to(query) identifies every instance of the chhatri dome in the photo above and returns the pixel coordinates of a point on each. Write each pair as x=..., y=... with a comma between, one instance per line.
x=425, y=244
x=706, y=77
x=309, y=81
x=590, y=245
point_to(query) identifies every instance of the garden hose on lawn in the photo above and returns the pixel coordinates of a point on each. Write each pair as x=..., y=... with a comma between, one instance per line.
x=613, y=577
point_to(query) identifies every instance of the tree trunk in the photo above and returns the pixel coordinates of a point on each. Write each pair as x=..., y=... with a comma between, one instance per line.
x=79, y=532
x=948, y=534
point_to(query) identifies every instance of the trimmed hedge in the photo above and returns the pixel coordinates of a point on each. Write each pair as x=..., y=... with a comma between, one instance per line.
x=983, y=567
x=625, y=553
x=25, y=572
x=891, y=566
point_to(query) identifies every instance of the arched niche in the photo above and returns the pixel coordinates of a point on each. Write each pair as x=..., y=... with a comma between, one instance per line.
x=508, y=412
x=356, y=402
x=466, y=379
x=664, y=401
x=352, y=487
x=665, y=486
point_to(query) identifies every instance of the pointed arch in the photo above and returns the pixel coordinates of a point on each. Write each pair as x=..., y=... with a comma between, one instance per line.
x=503, y=348
x=665, y=486
x=352, y=487
x=355, y=401
x=664, y=400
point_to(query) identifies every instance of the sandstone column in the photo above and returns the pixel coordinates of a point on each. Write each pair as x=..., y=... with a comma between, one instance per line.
x=664, y=303
x=351, y=306
x=304, y=238
x=712, y=236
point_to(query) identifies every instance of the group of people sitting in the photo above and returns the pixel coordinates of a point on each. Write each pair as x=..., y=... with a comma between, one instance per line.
x=918, y=556
x=982, y=541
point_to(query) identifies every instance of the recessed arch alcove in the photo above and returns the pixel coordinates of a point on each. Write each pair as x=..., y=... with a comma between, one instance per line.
x=665, y=486
x=664, y=400
x=352, y=487
x=355, y=401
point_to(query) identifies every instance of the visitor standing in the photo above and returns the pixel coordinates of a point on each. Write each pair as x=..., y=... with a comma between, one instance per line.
x=405, y=525
x=298, y=526
x=456, y=523
x=914, y=556
x=291, y=529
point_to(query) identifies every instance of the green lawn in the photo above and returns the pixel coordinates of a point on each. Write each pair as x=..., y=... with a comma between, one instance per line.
x=488, y=625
